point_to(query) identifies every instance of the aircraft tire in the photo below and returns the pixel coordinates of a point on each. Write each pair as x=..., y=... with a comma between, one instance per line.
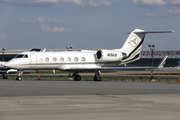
x=97, y=78
x=5, y=76
x=18, y=78
x=77, y=78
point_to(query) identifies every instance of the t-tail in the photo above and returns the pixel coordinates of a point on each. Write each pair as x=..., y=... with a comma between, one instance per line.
x=133, y=44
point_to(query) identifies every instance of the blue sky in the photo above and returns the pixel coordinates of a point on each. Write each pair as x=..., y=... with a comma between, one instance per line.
x=55, y=24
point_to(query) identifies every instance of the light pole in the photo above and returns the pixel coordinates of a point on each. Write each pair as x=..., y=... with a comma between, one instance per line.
x=152, y=47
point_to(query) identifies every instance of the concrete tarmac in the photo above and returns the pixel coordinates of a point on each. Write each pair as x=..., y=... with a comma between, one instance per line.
x=90, y=100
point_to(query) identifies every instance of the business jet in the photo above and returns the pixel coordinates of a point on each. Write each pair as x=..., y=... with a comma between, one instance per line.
x=83, y=60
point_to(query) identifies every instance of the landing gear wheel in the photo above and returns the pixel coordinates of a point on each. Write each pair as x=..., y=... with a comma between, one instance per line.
x=5, y=76
x=77, y=78
x=97, y=78
x=18, y=78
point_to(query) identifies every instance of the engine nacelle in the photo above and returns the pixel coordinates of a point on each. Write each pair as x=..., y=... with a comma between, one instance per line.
x=110, y=55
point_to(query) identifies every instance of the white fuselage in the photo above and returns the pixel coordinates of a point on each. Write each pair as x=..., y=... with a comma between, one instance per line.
x=58, y=61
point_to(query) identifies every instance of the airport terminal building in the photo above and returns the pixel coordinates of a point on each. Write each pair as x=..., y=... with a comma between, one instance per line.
x=145, y=59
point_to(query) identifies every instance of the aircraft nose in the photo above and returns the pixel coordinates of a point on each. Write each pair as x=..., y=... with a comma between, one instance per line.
x=10, y=65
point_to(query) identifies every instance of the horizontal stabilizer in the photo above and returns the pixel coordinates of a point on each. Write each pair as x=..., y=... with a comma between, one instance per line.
x=146, y=32
x=156, y=32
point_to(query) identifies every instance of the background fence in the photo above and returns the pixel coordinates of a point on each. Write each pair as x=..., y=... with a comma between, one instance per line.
x=116, y=78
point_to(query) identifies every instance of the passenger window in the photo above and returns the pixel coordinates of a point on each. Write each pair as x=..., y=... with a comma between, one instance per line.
x=54, y=59
x=83, y=59
x=69, y=59
x=76, y=59
x=46, y=59
x=61, y=59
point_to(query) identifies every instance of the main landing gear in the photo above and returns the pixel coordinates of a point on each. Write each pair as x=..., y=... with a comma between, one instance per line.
x=97, y=76
x=76, y=76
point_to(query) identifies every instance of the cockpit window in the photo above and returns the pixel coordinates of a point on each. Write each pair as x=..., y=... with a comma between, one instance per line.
x=21, y=56
x=25, y=56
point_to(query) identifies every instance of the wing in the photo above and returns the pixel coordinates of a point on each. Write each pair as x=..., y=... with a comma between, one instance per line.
x=108, y=68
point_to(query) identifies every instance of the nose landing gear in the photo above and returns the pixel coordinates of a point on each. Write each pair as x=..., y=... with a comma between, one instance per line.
x=4, y=76
x=19, y=75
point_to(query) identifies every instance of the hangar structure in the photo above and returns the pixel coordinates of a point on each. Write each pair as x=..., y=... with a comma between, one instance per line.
x=145, y=60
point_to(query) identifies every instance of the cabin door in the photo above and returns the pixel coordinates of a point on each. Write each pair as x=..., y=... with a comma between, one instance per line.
x=33, y=61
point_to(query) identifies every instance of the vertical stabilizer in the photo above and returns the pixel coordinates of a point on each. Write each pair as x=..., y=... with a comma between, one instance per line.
x=133, y=44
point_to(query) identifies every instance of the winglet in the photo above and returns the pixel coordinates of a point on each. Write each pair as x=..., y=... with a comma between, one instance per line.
x=44, y=50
